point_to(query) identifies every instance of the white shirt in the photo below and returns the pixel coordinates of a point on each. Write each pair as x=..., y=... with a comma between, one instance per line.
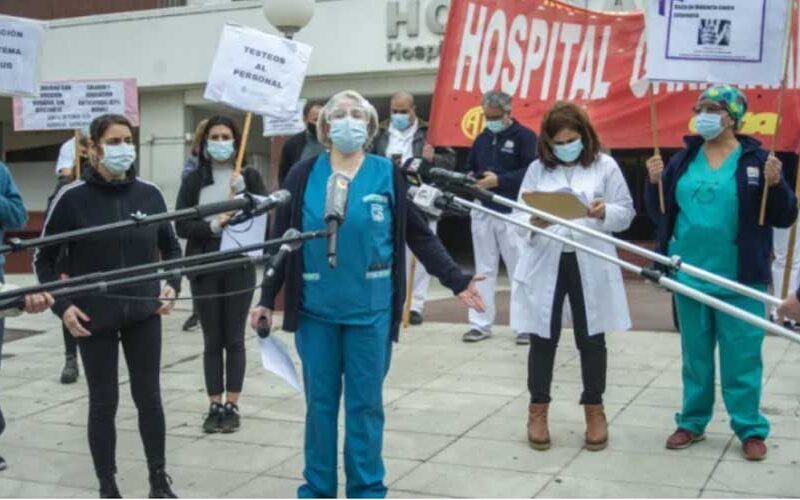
x=66, y=156
x=401, y=142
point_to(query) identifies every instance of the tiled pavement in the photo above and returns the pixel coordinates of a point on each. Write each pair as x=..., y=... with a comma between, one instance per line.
x=455, y=424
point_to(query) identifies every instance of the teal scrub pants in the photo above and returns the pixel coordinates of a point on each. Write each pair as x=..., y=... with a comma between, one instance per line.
x=359, y=356
x=740, y=365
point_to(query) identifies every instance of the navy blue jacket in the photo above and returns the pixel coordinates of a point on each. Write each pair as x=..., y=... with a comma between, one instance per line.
x=508, y=154
x=410, y=226
x=754, y=241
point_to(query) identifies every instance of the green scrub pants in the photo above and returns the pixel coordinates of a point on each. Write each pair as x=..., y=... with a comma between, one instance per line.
x=741, y=366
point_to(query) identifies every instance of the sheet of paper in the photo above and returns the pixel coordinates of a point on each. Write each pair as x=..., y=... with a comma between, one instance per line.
x=275, y=358
x=246, y=233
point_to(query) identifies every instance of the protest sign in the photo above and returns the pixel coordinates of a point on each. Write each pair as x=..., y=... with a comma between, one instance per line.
x=257, y=72
x=539, y=51
x=288, y=122
x=20, y=55
x=730, y=41
x=74, y=104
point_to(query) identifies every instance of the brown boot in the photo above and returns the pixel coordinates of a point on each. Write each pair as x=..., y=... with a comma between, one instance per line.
x=596, y=427
x=538, y=434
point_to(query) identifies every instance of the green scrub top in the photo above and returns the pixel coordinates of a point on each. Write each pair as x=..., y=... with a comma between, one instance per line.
x=708, y=221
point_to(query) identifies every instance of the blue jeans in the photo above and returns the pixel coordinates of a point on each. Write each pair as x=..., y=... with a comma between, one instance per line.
x=354, y=358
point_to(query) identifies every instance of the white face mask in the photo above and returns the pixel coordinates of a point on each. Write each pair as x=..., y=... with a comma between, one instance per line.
x=118, y=158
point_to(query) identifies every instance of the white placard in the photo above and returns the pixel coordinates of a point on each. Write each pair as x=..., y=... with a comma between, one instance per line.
x=289, y=122
x=246, y=233
x=70, y=105
x=257, y=72
x=716, y=41
x=21, y=43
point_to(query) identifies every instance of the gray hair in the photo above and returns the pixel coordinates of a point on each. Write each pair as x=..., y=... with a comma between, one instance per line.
x=497, y=99
x=324, y=121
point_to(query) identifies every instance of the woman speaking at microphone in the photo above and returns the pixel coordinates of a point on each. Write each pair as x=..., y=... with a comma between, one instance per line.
x=346, y=317
x=548, y=271
x=110, y=192
x=223, y=317
x=713, y=190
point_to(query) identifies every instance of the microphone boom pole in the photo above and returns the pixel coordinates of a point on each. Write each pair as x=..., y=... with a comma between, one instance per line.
x=673, y=263
x=246, y=204
x=164, y=264
x=650, y=274
x=121, y=278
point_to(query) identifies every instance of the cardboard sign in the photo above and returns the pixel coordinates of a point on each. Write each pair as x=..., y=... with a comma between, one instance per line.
x=70, y=105
x=722, y=41
x=257, y=72
x=20, y=55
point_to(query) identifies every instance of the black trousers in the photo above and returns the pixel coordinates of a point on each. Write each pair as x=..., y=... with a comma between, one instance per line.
x=141, y=345
x=70, y=344
x=223, y=321
x=592, y=348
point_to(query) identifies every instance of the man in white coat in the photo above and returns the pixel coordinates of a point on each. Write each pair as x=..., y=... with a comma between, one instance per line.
x=498, y=159
x=402, y=139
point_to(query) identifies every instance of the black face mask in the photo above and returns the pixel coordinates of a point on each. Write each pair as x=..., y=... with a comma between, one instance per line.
x=312, y=129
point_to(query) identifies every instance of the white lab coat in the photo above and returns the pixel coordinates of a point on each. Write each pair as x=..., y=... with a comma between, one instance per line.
x=537, y=268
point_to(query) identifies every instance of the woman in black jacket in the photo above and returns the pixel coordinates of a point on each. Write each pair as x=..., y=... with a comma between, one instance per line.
x=222, y=319
x=110, y=192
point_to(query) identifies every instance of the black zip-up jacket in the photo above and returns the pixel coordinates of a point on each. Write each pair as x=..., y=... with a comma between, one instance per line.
x=197, y=232
x=410, y=227
x=93, y=201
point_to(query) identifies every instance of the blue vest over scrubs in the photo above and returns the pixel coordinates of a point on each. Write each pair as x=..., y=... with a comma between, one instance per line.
x=361, y=285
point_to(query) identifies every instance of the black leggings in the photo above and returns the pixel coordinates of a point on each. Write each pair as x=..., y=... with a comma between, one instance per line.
x=70, y=345
x=223, y=321
x=592, y=348
x=141, y=344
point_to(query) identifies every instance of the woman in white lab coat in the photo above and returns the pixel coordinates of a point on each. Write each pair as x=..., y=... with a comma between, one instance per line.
x=548, y=271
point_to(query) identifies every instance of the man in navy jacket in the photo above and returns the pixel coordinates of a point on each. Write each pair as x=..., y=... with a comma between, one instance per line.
x=499, y=159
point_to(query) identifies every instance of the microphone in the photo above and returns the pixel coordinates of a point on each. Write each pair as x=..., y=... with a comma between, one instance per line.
x=275, y=262
x=416, y=170
x=448, y=177
x=335, y=209
x=290, y=246
x=433, y=202
x=276, y=199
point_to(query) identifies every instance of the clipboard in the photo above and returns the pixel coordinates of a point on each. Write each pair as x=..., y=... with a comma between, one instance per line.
x=563, y=204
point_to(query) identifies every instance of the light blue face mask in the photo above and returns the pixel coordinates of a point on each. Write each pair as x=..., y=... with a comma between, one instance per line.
x=709, y=125
x=495, y=126
x=401, y=121
x=569, y=152
x=348, y=134
x=118, y=158
x=220, y=150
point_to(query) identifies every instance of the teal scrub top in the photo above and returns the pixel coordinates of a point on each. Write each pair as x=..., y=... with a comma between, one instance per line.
x=359, y=289
x=708, y=221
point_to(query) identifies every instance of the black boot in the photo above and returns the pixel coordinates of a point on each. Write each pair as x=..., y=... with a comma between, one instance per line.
x=69, y=375
x=160, y=484
x=108, y=487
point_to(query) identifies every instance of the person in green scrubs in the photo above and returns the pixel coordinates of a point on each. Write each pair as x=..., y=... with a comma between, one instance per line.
x=713, y=191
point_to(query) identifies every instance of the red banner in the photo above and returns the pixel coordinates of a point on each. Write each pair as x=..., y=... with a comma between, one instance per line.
x=540, y=51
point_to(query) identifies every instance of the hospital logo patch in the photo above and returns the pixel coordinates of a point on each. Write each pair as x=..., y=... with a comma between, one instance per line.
x=377, y=212
x=752, y=176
